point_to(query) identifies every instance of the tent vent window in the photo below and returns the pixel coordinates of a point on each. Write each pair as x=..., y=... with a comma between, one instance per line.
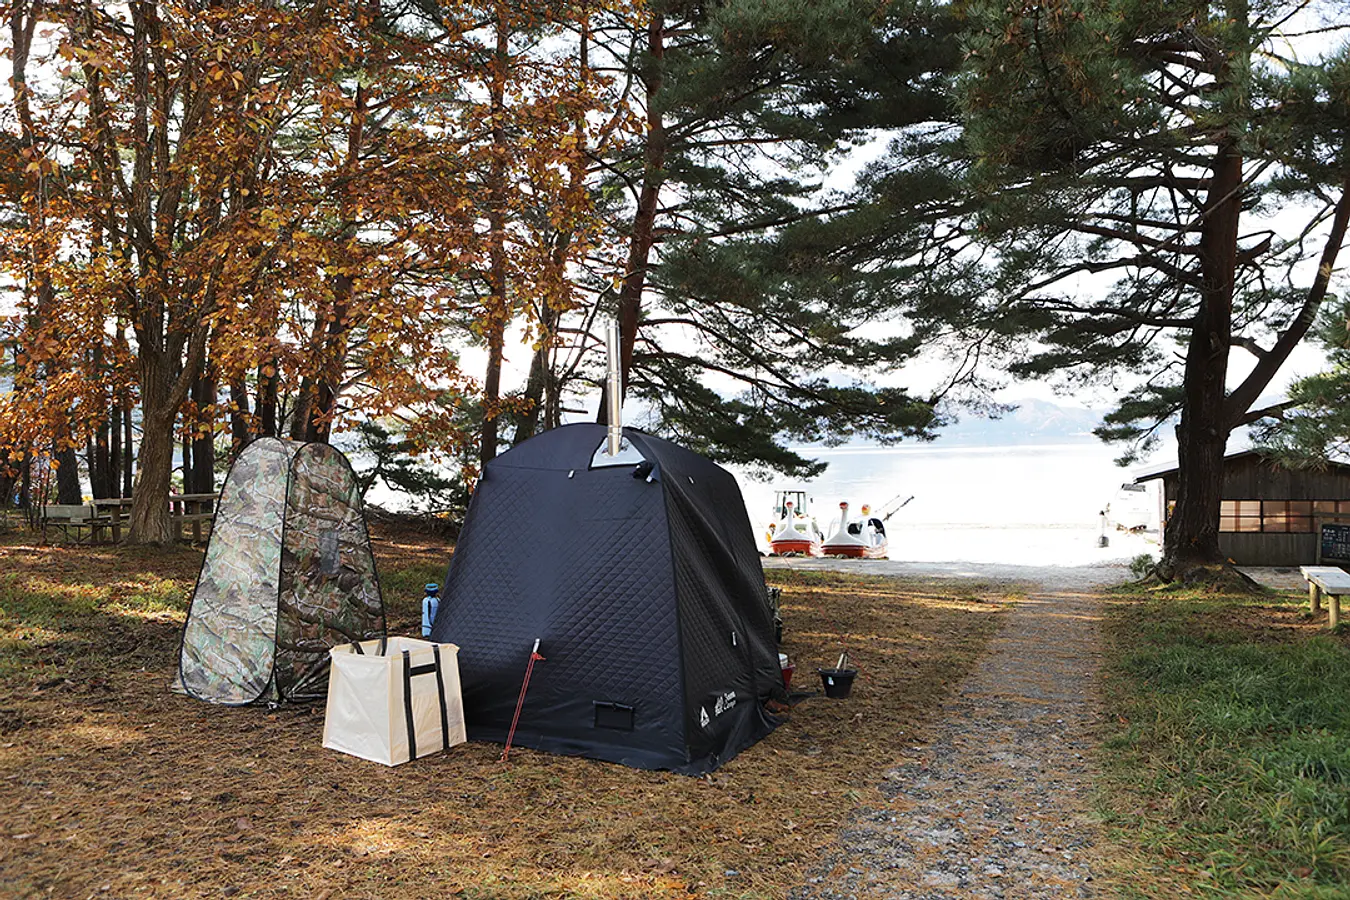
x=328, y=552
x=614, y=715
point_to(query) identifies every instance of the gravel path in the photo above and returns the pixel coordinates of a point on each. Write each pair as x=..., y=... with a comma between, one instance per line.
x=997, y=804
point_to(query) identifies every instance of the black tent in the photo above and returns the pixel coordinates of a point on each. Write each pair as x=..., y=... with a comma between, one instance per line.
x=640, y=576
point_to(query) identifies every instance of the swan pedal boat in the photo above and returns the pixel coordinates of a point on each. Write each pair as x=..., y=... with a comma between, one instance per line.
x=859, y=538
x=794, y=536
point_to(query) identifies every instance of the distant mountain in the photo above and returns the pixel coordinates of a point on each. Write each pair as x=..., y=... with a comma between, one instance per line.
x=1033, y=422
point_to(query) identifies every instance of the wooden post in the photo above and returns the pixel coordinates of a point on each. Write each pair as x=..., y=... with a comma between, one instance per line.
x=1333, y=611
x=1314, y=598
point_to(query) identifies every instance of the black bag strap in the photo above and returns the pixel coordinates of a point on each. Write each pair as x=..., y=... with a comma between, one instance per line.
x=384, y=644
x=440, y=695
x=409, y=673
x=356, y=648
x=407, y=706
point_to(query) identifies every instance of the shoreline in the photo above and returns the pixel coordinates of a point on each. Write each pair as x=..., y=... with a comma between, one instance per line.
x=1107, y=573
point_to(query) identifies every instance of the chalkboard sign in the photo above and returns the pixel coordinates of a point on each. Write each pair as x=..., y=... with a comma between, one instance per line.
x=1335, y=542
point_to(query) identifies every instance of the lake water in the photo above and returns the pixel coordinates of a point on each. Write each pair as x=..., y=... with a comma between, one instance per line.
x=1030, y=505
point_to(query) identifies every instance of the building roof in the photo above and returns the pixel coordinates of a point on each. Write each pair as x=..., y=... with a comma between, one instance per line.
x=1153, y=473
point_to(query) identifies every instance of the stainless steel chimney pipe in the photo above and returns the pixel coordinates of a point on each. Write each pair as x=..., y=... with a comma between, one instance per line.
x=614, y=395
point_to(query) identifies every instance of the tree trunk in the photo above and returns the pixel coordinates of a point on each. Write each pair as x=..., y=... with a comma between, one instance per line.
x=128, y=456
x=100, y=461
x=239, y=431
x=303, y=414
x=91, y=460
x=116, y=451
x=113, y=435
x=204, y=446
x=267, y=401
x=535, y=385
x=553, y=401
x=498, y=310
x=67, y=476
x=100, y=450
x=644, y=220
x=542, y=388
x=150, y=522
x=333, y=361
x=1192, y=533
x=11, y=474
x=492, y=384
x=303, y=411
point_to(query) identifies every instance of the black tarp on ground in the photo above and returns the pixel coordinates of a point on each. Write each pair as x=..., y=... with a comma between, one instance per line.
x=647, y=597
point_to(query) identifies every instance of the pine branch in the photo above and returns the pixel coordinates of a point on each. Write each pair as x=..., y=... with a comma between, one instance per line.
x=1251, y=346
x=1269, y=365
x=1274, y=411
x=1170, y=245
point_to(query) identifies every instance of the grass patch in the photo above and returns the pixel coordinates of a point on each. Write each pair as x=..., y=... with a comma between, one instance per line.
x=1227, y=763
x=106, y=778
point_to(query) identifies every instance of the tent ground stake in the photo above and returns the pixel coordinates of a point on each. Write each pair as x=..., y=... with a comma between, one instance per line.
x=525, y=685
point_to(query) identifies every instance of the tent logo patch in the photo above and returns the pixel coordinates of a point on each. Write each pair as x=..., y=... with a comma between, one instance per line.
x=724, y=702
x=703, y=716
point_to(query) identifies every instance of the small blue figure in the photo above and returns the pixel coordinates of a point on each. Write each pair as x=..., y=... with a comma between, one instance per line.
x=430, y=602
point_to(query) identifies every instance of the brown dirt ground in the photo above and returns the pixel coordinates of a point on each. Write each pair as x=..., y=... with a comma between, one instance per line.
x=111, y=786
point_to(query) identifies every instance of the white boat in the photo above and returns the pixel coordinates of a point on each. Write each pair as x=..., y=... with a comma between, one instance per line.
x=861, y=537
x=795, y=532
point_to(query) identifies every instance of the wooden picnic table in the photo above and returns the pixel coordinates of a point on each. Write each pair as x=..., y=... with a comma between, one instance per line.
x=1332, y=581
x=184, y=509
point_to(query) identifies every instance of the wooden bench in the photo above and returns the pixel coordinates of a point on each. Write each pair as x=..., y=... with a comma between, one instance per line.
x=67, y=517
x=1332, y=581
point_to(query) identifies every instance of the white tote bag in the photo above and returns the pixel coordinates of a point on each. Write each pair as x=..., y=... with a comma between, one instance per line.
x=393, y=700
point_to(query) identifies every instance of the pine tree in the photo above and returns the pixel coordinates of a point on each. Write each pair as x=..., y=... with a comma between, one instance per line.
x=732, y=346
x=1130, y=187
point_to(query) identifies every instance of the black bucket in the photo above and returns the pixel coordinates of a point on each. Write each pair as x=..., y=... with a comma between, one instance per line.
x=837, y=682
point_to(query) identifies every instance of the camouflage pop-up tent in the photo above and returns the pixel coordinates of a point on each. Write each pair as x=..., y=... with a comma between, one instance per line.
x=288, y=574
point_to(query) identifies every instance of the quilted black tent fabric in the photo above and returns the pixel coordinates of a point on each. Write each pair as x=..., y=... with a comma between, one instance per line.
x=647, y=597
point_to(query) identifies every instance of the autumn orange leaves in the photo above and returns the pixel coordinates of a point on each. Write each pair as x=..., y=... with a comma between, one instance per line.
x=268, y=218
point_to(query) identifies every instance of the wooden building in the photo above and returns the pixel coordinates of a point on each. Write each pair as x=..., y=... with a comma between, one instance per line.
x=1270, y=515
